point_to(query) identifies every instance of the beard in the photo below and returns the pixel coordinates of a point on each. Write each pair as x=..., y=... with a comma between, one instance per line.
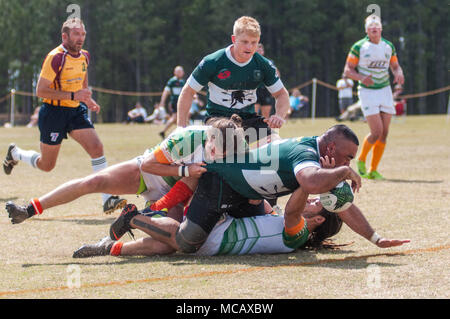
x=73, y=45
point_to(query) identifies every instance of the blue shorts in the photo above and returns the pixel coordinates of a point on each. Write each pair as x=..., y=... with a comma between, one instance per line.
x=56, y=121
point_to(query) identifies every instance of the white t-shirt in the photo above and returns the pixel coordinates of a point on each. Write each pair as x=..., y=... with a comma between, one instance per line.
x=346, y=91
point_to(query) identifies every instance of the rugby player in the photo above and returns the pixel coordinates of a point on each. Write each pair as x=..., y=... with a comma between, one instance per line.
x=373, y=56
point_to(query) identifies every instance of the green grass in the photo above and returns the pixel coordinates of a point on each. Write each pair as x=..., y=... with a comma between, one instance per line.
x=36, y=262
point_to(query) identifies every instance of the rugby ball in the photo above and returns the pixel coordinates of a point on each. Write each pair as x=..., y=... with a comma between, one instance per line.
x=338, y=199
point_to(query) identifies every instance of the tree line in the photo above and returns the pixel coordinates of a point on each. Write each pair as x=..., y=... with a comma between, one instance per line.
x=135, y=44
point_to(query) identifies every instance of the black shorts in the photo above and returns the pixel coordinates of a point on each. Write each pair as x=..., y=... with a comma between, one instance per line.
x=263, y=96
x=173, y=106
x=215, y=197
x=56, y=121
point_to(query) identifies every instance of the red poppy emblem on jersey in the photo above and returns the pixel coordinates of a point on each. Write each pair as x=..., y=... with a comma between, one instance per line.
x=224, y=75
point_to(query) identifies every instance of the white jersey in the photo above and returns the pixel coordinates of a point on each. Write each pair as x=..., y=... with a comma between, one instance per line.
x=344, y=91
x=373, y=59
x=248, y=235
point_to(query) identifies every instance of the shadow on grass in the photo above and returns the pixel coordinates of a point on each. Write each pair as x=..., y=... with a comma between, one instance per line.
x=338, y=259
x=412, y=181
x=79, y=221
x=8, y=199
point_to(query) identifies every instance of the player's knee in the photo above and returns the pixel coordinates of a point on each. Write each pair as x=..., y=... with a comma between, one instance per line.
x=45, y=165
x=96, y=149
x=95, y=183
x=190, y=237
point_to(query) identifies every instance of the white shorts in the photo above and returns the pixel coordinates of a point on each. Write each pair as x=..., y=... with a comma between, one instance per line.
x=374, y=101
x=255, y=235
x=156, y=186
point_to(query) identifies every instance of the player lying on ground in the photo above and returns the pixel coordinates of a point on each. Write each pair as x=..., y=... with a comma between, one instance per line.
x=231, y=236
x=151, y=174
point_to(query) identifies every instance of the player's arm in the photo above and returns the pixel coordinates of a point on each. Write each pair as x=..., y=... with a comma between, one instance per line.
x=397, y=71
x=351, y=72
x=89, y=101
x=355, y=219
x=315, y=180
x=184, y=105
x=282, y=106
x=156, y=163
x=164, y=96
x=295, y=232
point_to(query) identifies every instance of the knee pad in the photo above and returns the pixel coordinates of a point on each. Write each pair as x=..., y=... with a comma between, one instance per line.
x=190, y=236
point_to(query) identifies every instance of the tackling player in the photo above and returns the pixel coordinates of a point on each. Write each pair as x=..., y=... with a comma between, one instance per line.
x=151, y=174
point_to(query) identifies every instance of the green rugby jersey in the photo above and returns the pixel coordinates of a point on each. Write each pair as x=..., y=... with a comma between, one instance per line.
x=269, y=171
x=373, y=59
x=174, y=86
x=232, y=85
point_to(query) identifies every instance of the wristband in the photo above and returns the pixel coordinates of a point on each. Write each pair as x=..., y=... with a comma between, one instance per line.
x=375, y=238
x=183, y=171
x=72, y=95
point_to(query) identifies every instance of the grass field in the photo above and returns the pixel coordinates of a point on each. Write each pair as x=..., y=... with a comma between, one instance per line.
x=36, y=262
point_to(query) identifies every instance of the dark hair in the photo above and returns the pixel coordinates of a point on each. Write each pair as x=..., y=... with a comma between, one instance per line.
x=225, y=129
x=330, y=227
x=340, y=130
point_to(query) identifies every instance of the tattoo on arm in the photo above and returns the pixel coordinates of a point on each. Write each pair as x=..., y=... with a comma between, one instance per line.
x=152, y=228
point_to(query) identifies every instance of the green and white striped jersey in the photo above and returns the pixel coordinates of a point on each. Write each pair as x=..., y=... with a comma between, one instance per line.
x=183, y=146
x=232, y=85
x=373, y=59
x=248, y=235
x=174, y=86
x=269, y=171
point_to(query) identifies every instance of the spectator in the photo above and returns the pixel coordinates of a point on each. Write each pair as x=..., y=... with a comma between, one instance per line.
x=34, y=117
x=137, y=115
x=399, y=103
x=159, y=115
x=345, y=93
x=299, y=104
x=197, y=111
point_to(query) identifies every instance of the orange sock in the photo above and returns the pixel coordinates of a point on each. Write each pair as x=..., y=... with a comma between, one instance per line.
x=378, y=151
x=116, y=249
x=179, y=193
x=366, y=147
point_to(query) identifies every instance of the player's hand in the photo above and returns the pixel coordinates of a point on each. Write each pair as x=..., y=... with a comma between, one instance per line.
x=92, y=105
x=386, y=243
x=367, y=81
x=399, y=78
x=326, y=162
x=355, y=178
x=83, y=95
x=313, y=205
x=196, y=169
x=275, y=121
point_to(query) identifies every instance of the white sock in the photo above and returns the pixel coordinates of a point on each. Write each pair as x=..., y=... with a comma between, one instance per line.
x=30, y=157
x=97, y=165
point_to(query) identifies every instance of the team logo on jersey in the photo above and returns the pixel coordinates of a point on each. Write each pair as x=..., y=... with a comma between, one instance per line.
x=238, y=96
x=377, y=65
x=224, y=74
x=257, y=75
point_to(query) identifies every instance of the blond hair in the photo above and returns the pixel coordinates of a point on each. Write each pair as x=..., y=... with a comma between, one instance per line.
x=247, y=25
x=70, y=24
